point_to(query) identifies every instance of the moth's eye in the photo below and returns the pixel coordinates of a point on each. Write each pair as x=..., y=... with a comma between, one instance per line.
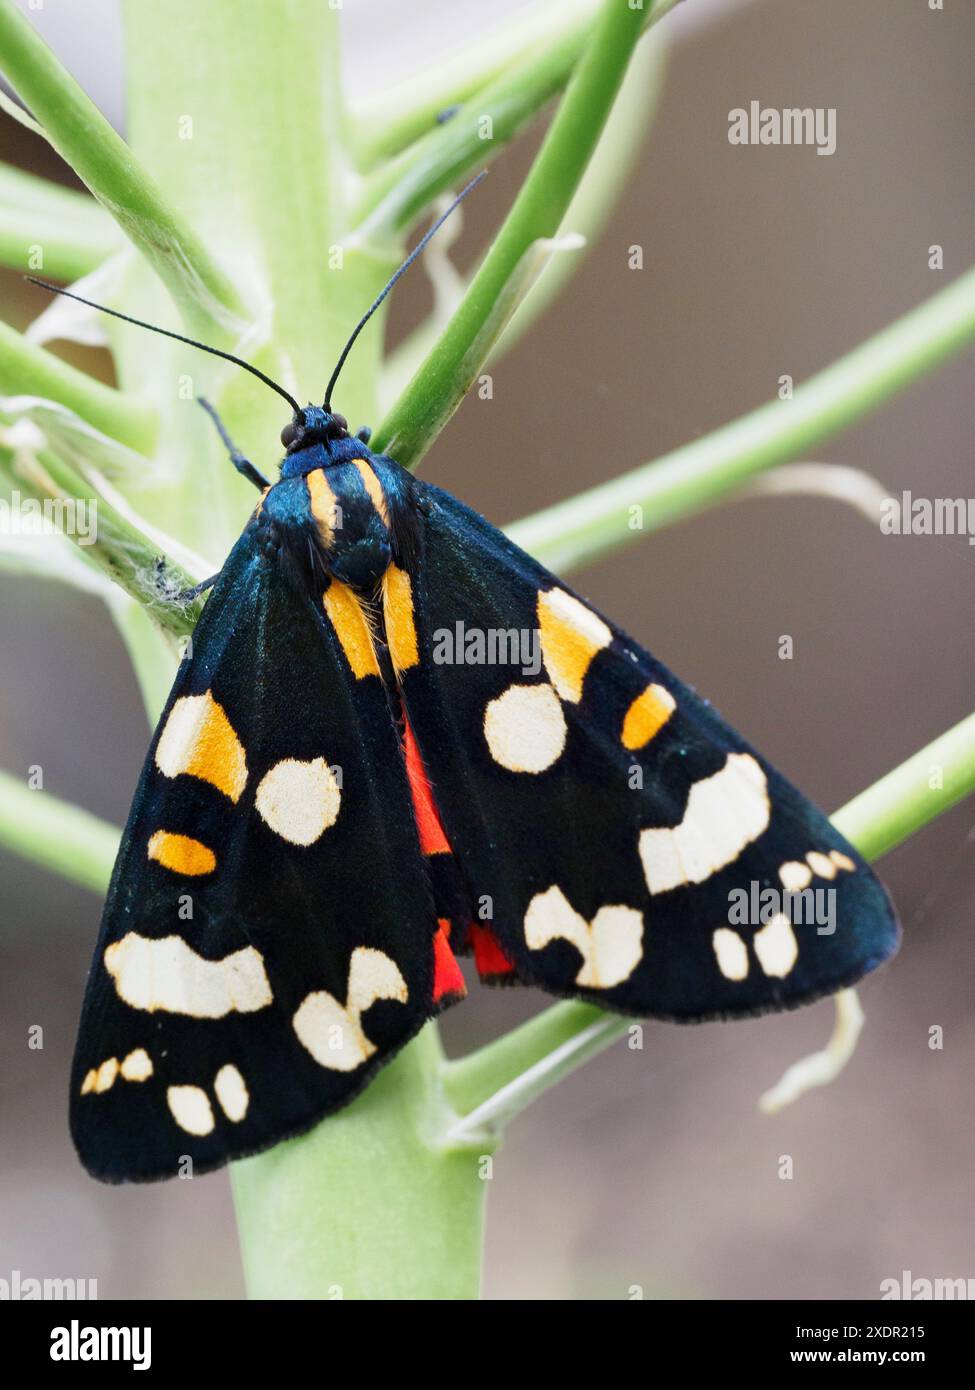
x=341, y=421
x=289, y=434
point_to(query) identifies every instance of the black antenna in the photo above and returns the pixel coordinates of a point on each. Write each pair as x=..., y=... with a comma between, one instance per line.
x=417, y=250
x=153, y=328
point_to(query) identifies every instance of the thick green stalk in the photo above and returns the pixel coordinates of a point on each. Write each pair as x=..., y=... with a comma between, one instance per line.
x=492, y=1085
x=600, y=520
x=83, y=137
x=437, y=389
x=376, y=1203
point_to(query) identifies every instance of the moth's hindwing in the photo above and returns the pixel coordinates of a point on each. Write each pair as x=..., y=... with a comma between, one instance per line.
x=615, y=835
x=269, y=937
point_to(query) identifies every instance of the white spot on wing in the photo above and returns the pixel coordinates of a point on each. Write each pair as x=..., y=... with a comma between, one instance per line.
x=190, y=1108
x=165, y=973
x=331, y=1031
x=731, y=953
x=776, y=948
x=525, y=728
x=611, y=945
x=298, y=800
x=231, y=1092
x=725, y=812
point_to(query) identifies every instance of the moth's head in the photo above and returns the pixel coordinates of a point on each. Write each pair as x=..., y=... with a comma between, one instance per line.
x=313, y=425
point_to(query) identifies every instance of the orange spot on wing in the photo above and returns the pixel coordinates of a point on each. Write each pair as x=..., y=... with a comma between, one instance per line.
x=447, y=976
x=181, y=853
x=646, y=716
x=352, y=628
x=398, y=614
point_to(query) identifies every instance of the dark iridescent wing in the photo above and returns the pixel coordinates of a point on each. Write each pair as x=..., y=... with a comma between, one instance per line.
x=622, y=835
x=268, y=938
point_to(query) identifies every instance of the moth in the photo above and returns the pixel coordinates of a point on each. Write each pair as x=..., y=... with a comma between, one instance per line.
x=338, y=802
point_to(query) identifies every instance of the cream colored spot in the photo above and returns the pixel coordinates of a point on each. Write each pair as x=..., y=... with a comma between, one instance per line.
x=795, y=876
x=646, y=716
x=198, y=740
x=331, y=1031
x=571, y=634
x=137, y=1066
x=821, y=864
x=190, y=1107
x=398, y=617
x=89, y=1082
x=299, y=801
x=106, y=1074
x=611, y=945
x=352, y=629
x=776, y=948
x=842, y=861
x=525, y=728
x=231, y=1092
x=164, y=973
x=725, y=812
x=181, y=853
x=731, y=953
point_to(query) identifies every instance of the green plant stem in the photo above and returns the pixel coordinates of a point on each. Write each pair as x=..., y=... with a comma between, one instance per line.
x=29, y=370
x=393, y=197
x=384, y=121
x=68, y=230
x=399, y=1211
x=82, y=136
x=151, y=650
x=595, y=199
x=492, y=1085
x=599, y=521
x=60, y=837
x=123, y=552
x=438, y=387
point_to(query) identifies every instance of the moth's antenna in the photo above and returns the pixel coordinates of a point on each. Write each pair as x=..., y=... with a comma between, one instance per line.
x=153, y=328
x=417, y=250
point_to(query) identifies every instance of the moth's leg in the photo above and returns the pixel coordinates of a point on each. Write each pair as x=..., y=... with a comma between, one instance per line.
x=365, y=434
x=243, y=465
x=187, y=595
x=181, y=595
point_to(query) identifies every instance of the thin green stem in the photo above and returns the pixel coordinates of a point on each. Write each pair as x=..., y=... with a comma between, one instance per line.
x=397, y=194
x=595, y=199
x=50, y=230
x=124, y=553
x=151, y=650
x=612, y=515
x=103, y=161
x=438, y=387
x=29, y=370
x=383, y=121
x=496, y=1082
x=56, y=835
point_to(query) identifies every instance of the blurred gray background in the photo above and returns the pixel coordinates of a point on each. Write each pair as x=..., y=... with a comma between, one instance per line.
x=653, y=1167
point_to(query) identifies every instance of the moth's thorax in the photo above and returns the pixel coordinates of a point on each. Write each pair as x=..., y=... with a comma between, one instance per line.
x=343, y=518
